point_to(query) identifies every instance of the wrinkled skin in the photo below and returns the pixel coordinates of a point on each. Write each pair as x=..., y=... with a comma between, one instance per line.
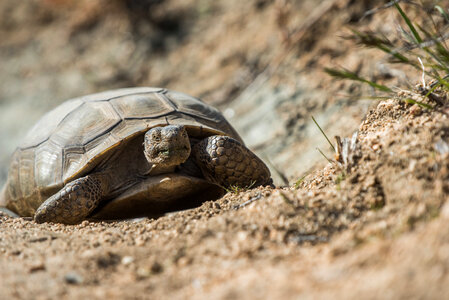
x=167, y=146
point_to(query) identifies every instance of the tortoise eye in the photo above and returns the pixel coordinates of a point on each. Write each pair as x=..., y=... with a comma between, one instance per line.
x=153, y=135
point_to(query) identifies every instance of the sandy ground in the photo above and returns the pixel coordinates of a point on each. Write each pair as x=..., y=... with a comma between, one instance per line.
x=375, y=228
x=361, y=234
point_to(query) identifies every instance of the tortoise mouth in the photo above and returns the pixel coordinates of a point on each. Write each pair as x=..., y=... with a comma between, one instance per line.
x=168, y=156
x=172, y=151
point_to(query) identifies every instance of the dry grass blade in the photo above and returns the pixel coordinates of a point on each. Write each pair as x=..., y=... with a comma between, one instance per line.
x=324, y=155
x=300, y=180
x=385, y=6
x=419, y=44
x=441, y=81
x=422, y=104
x=235, y=189
x=374, y=40
x=442, y=12
x=428, y=93
x=346, y=74
x=409, y=24
x=316, y=123
x=246, y=203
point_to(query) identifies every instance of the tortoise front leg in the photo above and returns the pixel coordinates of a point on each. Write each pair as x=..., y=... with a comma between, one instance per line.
x=226, y=162
x=74, y=202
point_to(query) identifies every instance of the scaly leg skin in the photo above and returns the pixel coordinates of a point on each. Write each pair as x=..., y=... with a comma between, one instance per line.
x=74, y=202
x=226, y=162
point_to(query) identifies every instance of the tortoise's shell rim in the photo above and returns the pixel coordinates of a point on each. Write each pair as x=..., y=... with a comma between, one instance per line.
x=70, y=140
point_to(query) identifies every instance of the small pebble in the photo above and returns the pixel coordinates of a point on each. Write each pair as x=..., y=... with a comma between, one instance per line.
x=126, y=260
x=37, y=267
x=197, y=284
x=156, y=268
x=143, y=272
x=139, y=241
x=73, y=278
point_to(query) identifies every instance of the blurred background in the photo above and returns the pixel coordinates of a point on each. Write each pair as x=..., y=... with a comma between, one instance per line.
x=259, y=61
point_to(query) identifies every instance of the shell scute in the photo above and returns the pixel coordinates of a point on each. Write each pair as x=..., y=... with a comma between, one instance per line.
x=85, y=123
x=48, y=164
x=141, y=106
x=194, y=106
x=48, y=123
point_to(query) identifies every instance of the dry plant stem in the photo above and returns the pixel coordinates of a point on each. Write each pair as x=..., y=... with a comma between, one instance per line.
x=385, y=6
x=345, y=151
x=246, y=203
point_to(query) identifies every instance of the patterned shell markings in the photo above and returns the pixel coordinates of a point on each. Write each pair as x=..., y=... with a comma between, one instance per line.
x=69, y=140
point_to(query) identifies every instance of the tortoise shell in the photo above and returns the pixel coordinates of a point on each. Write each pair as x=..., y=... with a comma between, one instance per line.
x=70, y=140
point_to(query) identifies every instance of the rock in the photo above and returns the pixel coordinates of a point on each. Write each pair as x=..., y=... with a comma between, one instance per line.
x=73, y=278
x=126, y=260
x=39, y=266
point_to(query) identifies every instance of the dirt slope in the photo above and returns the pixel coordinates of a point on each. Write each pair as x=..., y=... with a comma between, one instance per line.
x=378, y=231
x=251, y=58
x=375, y=228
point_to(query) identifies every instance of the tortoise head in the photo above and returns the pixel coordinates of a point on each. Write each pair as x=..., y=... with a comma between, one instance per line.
x=167, y=146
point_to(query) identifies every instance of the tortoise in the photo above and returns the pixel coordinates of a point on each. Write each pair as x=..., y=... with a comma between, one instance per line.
x=126, y=152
